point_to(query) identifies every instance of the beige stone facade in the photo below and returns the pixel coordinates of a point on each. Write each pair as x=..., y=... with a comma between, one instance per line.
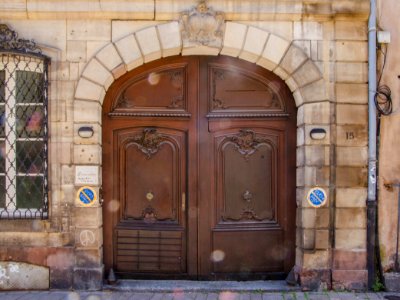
x=319, y=48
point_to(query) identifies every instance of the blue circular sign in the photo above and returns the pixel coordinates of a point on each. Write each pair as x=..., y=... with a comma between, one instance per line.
x=87, y=196
x=317, y=197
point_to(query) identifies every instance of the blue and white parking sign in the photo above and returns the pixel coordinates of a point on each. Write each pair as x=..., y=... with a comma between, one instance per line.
x=316, y=197
x=86, y=196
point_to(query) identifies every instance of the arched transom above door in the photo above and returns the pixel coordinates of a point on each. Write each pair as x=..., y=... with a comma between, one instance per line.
x=249, y=43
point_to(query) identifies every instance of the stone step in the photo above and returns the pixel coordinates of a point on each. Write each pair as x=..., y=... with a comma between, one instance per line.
x=161, y=286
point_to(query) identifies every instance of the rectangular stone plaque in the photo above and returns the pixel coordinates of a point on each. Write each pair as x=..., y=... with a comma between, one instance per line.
x=86, y=175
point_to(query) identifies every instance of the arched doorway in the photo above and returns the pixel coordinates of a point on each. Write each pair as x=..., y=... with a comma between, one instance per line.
x=199, y=161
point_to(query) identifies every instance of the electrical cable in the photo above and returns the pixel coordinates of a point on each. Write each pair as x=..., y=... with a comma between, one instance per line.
x=383, y=94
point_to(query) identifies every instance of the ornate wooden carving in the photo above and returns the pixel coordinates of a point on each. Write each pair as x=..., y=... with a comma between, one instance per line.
x=246, y=142
x=140, y=95
x=149, y=215
x=202, y=26
x=148, y=142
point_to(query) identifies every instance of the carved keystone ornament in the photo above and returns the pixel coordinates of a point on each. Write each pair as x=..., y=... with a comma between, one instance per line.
x=202, y=26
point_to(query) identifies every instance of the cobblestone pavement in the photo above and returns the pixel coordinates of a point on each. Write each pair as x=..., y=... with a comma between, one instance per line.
x=179, y=295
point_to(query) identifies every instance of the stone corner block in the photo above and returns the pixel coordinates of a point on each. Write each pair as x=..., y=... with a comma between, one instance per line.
x=89, y=279
x=129, y=50
x=235, y=34
x=170, y=38
x=149, y=43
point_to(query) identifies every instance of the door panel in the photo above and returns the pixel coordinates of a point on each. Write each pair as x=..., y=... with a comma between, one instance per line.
x=246, y=176
x=199, y=171
x=150, y=234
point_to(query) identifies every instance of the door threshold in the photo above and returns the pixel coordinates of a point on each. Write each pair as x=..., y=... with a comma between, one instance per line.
x=165, y=286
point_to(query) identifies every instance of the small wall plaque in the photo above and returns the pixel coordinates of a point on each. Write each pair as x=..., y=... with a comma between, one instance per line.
x=86, y=175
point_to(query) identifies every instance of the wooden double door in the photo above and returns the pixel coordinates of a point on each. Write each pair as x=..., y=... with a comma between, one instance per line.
x=199, y=171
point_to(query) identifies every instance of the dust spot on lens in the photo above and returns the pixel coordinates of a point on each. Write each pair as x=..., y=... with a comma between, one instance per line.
x=228, y=296
x=217, y=255
x=154, y=78
x=178, y=294
x=73, y=296
x=113, y=206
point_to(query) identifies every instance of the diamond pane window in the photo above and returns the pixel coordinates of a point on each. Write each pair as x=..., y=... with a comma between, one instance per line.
x=23, y=129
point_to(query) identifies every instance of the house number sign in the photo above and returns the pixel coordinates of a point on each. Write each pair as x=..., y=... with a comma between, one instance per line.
x=316, y=197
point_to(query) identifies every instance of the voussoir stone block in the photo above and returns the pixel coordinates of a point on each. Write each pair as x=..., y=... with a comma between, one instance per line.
x=88, y=90
x=170, y=38
x=129, y=50
x=306, y=74
x=96, y=72
x=149, y=43
x=274, y=50
x=292, y=60
x=254, y=44
x=316, y=91
x=235, y=34
x=109, y=57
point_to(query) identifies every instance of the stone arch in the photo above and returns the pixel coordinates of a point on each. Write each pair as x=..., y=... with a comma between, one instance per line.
x=246, y=42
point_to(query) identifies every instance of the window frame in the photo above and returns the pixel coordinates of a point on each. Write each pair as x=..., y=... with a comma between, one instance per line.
x=23, y=55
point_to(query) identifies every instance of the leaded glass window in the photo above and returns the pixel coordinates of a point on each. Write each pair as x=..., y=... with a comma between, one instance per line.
x=23, y=134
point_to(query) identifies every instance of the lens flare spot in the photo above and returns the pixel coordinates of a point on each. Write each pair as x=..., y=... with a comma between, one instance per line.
x=178, y=294
x=154, y=78
x=113, y=206
x=34, y=123
x=228, y=296
x=73, y=296
x=217, y=255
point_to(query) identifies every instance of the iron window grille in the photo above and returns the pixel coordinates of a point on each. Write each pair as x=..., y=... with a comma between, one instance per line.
x=23, y=128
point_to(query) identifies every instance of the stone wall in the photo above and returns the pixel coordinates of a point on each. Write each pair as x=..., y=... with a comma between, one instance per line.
x=389, y=160
x=318, y=47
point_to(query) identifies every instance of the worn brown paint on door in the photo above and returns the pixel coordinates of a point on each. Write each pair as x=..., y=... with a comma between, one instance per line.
x=199, y=171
